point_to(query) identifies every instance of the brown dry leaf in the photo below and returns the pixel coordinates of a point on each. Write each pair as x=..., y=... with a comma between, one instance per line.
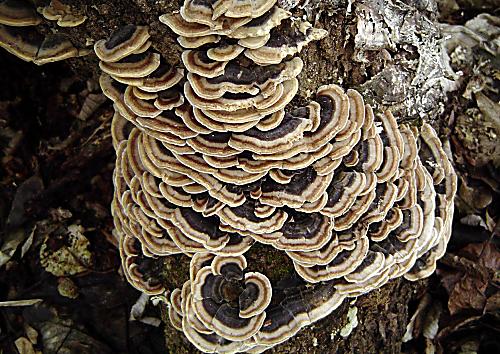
x=477, y=197
x=31, y=333
x=468, y=293
x=449, y=278
x=414, y=327
x=24, y=346
x=486, y=254
x=67, y=288
x=490, y=221
x=72, y=257
x=61, y=337
x=493, y=303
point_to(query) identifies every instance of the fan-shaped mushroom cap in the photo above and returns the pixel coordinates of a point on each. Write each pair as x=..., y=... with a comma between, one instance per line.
x=244, y=218
x=20, y=42
x=295, y=236
x=241, y=8
x=381, y=229
x=133, y=271
x=122, y=43
x=254, y=42
x=273, y=52
x=246, y=115
x=139, y=106
x=297, y=311
x=259, y=102
x=18, y=13
x=275, y=140
x=344, y=263
x=196, y=42
x=224, y=52
x=184, y=28
x=342, y=193
x=238, y=79
x=64, y=14
x=261, y=26
x=136, y=65
x=163, y=78
x=216, y=287
x=29, y=46
x=198, y=62
x=175, y=310
x=303, y=187
x=197, y=20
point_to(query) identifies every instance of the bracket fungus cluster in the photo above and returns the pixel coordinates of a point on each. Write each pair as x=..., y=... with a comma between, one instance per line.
x=19, y=37
x=212, y=159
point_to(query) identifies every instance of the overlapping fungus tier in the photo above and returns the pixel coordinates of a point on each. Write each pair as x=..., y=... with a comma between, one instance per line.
x=19, y=37
x=211, y=158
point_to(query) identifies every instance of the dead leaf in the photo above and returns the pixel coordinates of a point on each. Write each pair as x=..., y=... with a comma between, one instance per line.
x=486, y=254
x=431, y=323
x=14, y=303
x=92, y=102
x=449, y=278
x=473, y=220
x=28, y=190
x=493, y=303
x=477, y=197
x=490, y=221
x=24, y=346
x=414, y=327
x=63, y=338
x=31, y=333
x=468, y=293
x=71, y=256
x=67, y=288
x=12, y=240
x=137, y=312
x=27, y=244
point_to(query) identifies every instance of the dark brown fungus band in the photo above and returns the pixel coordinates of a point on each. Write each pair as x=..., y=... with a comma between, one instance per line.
x=212, y=160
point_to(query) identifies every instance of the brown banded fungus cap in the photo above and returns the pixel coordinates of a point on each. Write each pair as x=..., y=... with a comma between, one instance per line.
x=19, y=37
x=28, y=45
x=18, y=13
x=65, y=15
x=212, y=159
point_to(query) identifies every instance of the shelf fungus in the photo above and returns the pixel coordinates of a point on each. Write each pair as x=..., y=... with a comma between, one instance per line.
x=65, y=15
x=19, y=37
x=214, y=162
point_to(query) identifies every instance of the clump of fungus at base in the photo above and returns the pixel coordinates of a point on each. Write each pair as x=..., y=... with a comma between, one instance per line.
x=212, y=159
x=19, y=37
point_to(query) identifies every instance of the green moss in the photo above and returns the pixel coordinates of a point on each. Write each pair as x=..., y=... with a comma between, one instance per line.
x=175, y=271
x=275, y=264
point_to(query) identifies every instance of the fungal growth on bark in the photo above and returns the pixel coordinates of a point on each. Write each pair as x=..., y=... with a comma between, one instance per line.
x=65, y=15
x=19, y=37
x=212, y=159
